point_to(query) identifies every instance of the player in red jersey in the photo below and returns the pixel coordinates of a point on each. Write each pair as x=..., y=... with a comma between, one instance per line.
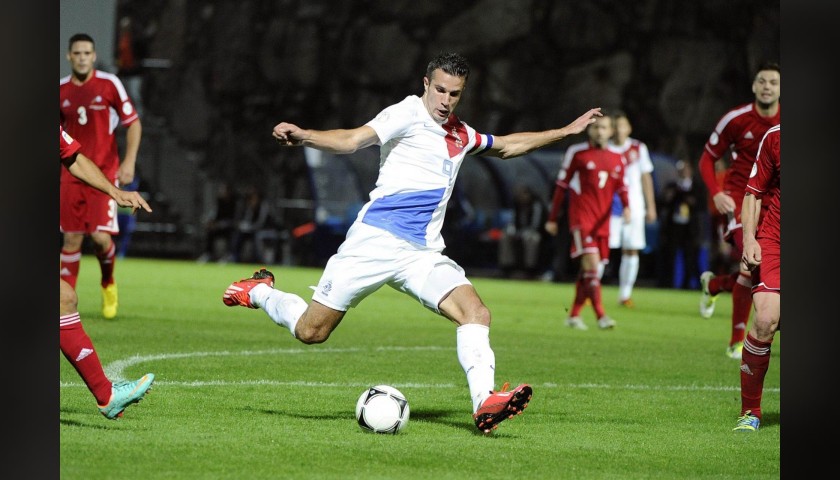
x=74, y=342
x=762, y=226
x=92, y=104
x=738, y=134
x=592, y=173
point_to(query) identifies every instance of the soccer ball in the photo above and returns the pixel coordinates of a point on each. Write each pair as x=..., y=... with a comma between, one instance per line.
x=382, y=409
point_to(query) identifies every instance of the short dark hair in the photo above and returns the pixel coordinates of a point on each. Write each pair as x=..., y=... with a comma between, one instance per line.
x=768, y=65
x=617, y=113
x=80, y=37
x=451, y=63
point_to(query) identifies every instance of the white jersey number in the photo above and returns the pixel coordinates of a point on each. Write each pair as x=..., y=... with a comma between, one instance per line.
x=82, y=115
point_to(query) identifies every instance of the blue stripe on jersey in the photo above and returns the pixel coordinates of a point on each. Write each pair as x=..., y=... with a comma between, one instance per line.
x=406, y=215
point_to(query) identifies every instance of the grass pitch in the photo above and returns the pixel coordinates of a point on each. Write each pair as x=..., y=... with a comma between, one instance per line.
x=236, y=397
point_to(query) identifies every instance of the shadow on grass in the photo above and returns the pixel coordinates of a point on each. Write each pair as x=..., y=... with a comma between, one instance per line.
x=770, y=418
x=440, y=417
x=75, y=423
x=305, y=416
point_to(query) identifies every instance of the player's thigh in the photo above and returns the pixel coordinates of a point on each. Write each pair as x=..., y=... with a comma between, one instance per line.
x=463, y=305
x=363, y=263
x=347, y=280
x=318, y=316
x=584, y=242
x=72, y=208
x=101, y=212
x=428, y=277
x=768, y=275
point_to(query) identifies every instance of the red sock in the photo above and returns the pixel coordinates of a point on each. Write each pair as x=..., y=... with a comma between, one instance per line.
x=69, y=268
x=741, y=308
x=106, y=264
x=592, y=288
x=722, y=283
x=78, y=350
x=755, y=359
x=580, y=297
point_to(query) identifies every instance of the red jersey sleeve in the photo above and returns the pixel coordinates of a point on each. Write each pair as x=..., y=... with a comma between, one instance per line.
x=765, y=183
x=121, y=102
x=67, y=146
x=767, y=165
x=708, y=174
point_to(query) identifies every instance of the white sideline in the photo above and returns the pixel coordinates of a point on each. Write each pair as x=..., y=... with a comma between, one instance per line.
x=114, y=371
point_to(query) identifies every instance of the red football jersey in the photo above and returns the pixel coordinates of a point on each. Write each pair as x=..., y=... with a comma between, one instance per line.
x=739, y=130
x=91, y=113
x=66, y=145
x=765, y=183
x=594, y=176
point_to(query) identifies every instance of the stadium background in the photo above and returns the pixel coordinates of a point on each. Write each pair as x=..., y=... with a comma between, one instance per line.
x=219, y=75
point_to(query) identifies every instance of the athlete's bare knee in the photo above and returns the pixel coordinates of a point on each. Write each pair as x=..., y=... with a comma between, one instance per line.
x=311, y=335
x=480, y=314
x=765, y=323
x=72, y=243
x=67, y=299
x=101, y=242
x=316, y=327
x=463, y=306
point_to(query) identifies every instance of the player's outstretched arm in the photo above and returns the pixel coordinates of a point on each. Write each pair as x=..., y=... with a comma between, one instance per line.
x=85, y=170
x=516, y=144
x=332, y=141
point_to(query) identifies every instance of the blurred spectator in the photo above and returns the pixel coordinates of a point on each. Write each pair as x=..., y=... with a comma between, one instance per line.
x=681, y=230
x=220, y=225
x=522, y=239
x=256, y=234
x=130, y=52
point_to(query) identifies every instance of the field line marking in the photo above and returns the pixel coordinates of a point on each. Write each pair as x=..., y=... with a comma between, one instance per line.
x=114, y=371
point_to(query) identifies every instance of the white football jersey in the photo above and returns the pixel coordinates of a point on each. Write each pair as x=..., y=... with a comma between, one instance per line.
x=419, y=161
x=638, y=162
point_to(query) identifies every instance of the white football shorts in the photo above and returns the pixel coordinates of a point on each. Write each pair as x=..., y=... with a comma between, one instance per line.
x=630, y=236
x=371, y=257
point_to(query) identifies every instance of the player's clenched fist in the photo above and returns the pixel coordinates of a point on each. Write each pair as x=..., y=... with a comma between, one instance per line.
x=288, y=134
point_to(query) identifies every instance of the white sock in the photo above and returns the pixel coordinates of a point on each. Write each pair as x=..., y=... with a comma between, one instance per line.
x=627, y=273
x=477, y=359
x=284, y=308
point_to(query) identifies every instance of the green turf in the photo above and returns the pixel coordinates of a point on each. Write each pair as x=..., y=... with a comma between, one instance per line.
x=236, y=397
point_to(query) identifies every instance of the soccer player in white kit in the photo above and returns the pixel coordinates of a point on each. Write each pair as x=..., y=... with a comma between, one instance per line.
x=396, y=238
x=630, y=237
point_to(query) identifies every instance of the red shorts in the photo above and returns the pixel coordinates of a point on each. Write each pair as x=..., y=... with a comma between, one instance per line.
x=767, y=277
x=84, y=209
x=583, y=243
x=734, y=234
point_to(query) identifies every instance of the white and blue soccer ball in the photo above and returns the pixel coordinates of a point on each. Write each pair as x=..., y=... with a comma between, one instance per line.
x=382, y=409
